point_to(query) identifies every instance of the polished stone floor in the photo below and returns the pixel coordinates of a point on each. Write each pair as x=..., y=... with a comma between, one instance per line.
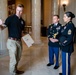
x=34, y=60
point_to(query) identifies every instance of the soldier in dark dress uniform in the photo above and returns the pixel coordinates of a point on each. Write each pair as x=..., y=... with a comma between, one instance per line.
x=66, y=42
x=53, y=44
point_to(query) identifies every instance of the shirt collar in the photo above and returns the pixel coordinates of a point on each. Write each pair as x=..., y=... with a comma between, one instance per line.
x=55, y=24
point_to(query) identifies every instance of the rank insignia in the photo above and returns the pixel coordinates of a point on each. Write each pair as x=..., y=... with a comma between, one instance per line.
x=69, y=32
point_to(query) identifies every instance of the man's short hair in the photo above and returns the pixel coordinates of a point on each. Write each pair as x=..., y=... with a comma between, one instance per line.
x=20, y=5
x=57, y=16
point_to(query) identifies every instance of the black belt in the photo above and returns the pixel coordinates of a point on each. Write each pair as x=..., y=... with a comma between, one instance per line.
x=14, y=39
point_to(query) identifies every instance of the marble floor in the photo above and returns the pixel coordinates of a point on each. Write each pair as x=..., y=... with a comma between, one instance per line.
x=34, y=60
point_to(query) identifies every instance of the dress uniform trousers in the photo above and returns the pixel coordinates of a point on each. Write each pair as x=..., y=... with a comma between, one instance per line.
x=66, y=63
x=15, y=49
x=52, y=51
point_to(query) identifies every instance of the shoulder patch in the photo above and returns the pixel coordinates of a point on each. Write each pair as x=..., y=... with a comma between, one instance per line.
x=69, y=32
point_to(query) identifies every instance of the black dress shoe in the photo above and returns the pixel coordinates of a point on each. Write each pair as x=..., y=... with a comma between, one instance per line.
x=60, y=73
x=49, y=64
x=19, y=72
x=56, y=67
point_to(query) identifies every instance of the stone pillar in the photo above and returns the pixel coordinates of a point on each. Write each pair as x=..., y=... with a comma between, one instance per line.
x=3, y=33
x=36, y=20
x=55, y=7
x=47, y=12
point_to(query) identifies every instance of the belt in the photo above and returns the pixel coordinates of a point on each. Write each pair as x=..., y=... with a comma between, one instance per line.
x=14, y=39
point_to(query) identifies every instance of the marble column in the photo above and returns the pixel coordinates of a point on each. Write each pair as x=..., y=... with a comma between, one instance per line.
x=3, y=33
x=55, y=7
x=36, y=20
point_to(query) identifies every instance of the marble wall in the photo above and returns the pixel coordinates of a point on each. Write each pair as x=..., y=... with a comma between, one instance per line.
x=3, y=16
x=71, y=6
x=47, y=12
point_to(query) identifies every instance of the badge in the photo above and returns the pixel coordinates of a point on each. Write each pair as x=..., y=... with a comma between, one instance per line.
x=65, y=27
x=58, y=28
x=69, y=32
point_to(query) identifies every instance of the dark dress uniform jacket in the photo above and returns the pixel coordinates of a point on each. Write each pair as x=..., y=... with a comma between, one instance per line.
x=53, y=29
x=66, y=38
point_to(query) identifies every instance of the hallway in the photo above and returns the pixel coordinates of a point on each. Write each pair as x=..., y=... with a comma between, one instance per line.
x=34, y=60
